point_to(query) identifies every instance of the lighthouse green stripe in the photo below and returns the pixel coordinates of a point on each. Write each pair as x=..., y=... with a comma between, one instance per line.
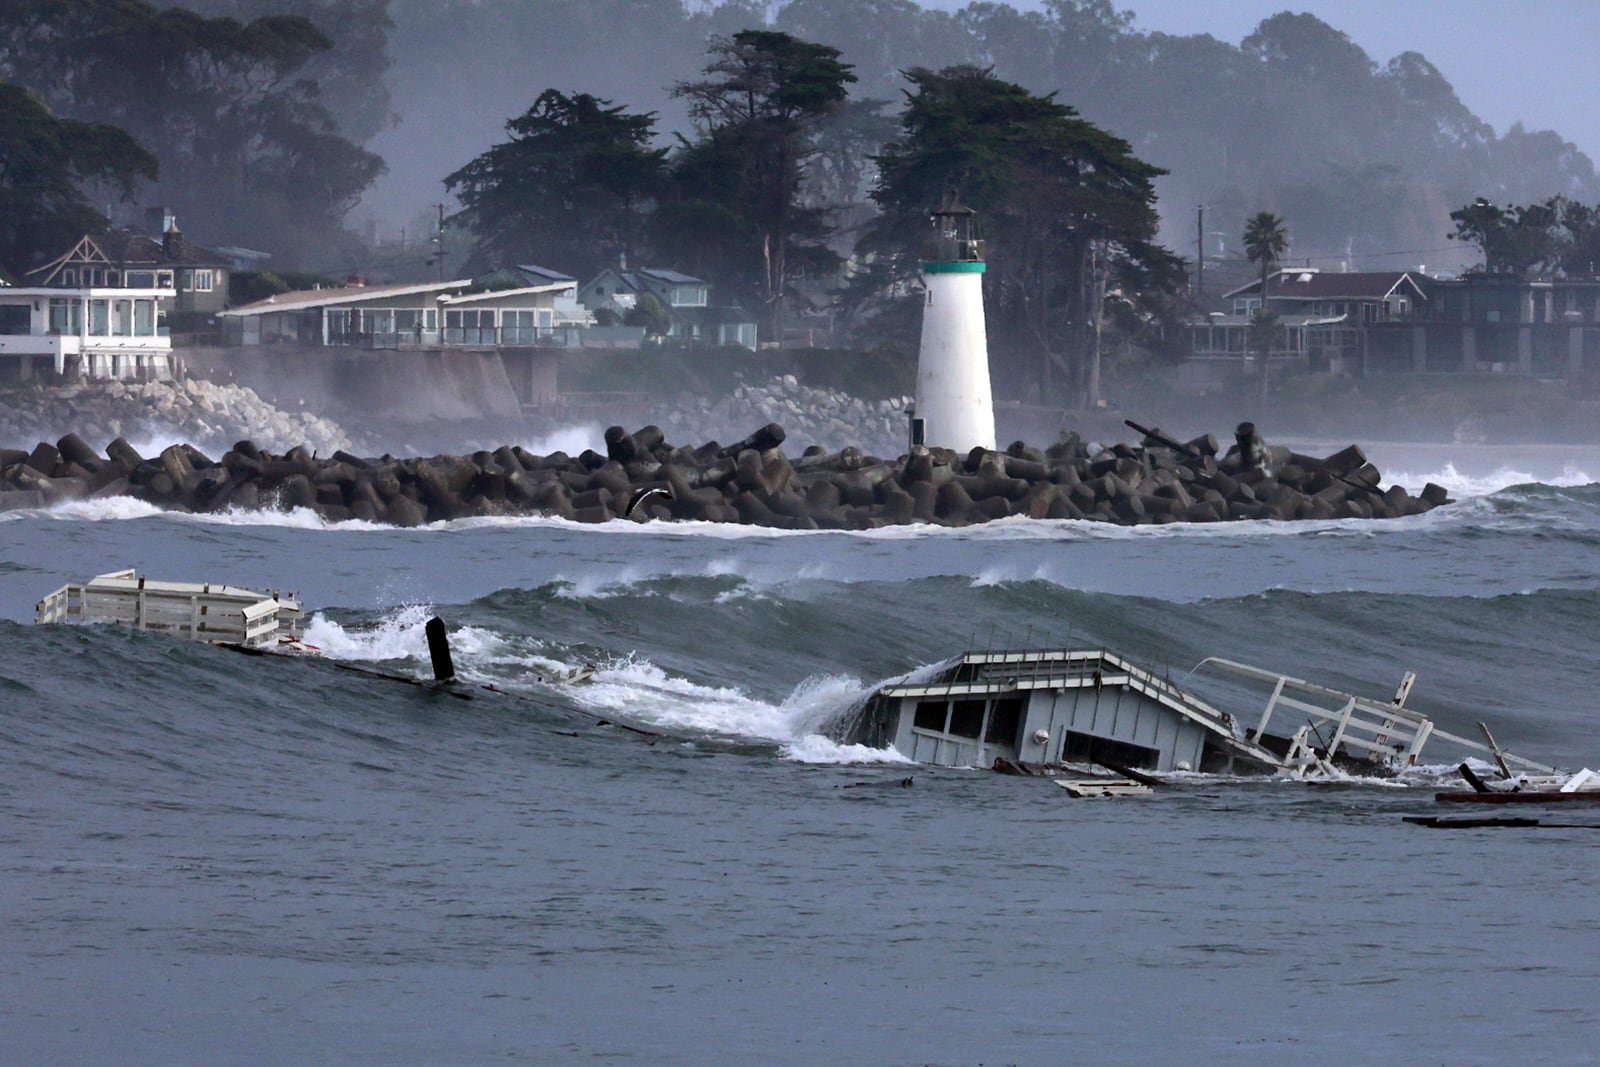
x=952, y=266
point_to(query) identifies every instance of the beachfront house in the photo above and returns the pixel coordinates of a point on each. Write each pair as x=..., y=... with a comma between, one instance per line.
x=134, y=259
x=100, y=311
x=1332, y=322
x=692, y=318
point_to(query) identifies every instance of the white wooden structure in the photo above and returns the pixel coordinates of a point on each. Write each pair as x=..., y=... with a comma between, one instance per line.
x=1076, y=707
x=219, y=614
x=108, y=332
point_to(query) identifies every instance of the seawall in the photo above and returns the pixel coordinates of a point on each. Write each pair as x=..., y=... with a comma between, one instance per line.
x=398, y=385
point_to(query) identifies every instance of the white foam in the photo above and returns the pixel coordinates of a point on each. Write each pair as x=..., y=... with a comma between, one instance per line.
x=643, y=692
x=108, y=509
x=156, y=439
x=632, y=689
x=399, y=635
x=814, y=748
x=572, y=440
x=1461, y=484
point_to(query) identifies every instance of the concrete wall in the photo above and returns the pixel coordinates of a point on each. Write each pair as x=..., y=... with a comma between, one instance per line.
x=416, y=385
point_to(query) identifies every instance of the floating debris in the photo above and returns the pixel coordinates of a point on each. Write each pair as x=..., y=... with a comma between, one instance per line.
x=217, y=614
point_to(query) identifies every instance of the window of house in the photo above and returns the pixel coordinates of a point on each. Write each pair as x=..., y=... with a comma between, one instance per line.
x=1003, y=721
x=203, y=281
x=69, y=278
x=377, y=321
x=65, y=316
x=339, y=326
x=930, y=715
x=99, y=318
x=144, y=318
x=15, y=319
x=518, y=326
x=473, y=327
x=141, y=279
x=966, y=718
x=163, y=279
x=1086, y=748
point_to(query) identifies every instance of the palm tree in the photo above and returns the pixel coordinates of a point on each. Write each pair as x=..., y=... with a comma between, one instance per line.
x=1265, y=239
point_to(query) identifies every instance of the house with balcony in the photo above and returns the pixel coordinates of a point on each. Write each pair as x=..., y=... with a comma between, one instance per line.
x=517, y=307
x=1502, y=324
x=693, y=319
x=1332, y=322
x=89, y=315
x=517, y=319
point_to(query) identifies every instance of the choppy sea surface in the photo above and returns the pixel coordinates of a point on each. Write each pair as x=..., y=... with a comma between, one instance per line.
x=211, y=858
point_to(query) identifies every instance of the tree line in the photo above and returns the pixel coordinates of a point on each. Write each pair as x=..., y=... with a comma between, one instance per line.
x=752, y=201
x=233, y=131
x=769, y=147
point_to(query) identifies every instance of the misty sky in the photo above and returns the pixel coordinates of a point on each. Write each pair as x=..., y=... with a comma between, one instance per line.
x=1533, y=60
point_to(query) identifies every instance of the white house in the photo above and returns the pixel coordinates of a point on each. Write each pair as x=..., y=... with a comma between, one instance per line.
x=96, y=330
x=496, y=311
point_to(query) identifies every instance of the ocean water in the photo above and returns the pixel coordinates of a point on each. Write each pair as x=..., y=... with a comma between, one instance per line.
x=212, y=858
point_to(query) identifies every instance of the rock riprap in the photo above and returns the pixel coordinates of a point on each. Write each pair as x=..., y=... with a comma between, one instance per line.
x=210, y=414
x=831, y=418
x=753, y=482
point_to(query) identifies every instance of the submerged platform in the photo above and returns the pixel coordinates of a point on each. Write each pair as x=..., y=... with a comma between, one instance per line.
x=200, y=611
x=1096, y=708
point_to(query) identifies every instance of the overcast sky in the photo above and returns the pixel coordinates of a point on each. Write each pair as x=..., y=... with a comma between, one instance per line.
x=1533, y=60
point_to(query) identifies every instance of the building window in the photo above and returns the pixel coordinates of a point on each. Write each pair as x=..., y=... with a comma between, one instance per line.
x=339, y=326
x=1003, y=721
x=203, y=281
x=68, y=315
x=163, y=279
x=518, y=326
x=966, y=718
x=69, y=278
x=141, y=279
x=15, y=319
x=99, y=318
x=930, y=715
x=144, y=318
x=474, y=327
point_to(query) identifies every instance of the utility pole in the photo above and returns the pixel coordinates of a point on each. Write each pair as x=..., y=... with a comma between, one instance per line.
x=438, y=244
x=1200, y=253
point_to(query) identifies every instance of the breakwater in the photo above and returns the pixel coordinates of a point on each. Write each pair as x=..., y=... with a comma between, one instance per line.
x=641, y=477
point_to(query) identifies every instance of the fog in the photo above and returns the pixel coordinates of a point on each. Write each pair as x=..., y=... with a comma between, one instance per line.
x=1366, y=186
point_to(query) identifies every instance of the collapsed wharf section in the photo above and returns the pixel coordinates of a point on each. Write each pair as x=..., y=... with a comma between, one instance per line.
x=642, y=477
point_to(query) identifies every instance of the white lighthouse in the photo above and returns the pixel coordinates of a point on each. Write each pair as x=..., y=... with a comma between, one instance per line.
x=955, y=408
